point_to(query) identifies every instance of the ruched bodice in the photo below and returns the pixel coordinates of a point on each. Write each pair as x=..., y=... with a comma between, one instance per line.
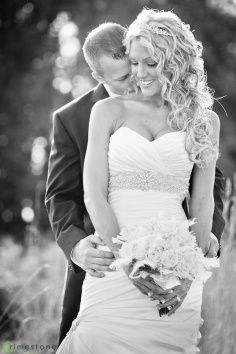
x=146, y=177
x=130, y=151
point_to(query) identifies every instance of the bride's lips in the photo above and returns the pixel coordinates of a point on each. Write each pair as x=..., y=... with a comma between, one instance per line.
x=145, y=83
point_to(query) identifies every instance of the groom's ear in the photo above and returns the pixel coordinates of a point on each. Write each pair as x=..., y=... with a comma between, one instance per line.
x=98, y=77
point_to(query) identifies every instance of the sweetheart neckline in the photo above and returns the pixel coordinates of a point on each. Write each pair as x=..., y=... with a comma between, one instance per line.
x=142, y=137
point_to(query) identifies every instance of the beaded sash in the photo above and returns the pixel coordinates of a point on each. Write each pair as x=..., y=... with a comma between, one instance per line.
x=147, y=180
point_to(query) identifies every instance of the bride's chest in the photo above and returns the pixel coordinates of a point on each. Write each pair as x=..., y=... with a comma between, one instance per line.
x=128, y=150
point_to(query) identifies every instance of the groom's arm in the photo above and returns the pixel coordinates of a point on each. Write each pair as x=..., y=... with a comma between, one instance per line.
x=64, y=191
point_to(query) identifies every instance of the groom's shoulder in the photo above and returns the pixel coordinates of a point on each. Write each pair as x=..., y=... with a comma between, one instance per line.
x=82, y=102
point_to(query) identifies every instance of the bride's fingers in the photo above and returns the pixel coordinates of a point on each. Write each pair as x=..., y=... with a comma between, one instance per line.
x=174, y=308
x=156, y=289
x=155, y=292
x=141, y=287
x=182, y=291
x=154, y=297
x=172, y=302
x=164, y=298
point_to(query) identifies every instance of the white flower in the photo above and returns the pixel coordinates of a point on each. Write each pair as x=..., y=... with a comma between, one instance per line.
x=140, y=248
x=169, y=258
x=155, y=249
x=188, y=265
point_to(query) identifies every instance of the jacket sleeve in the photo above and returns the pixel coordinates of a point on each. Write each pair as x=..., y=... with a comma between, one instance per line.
x=64, y=190
x=219, y=189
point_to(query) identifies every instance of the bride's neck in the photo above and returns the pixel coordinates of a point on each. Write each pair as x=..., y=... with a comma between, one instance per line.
x=157, y=101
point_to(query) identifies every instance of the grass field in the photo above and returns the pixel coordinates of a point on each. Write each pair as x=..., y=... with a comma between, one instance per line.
x=31, y=284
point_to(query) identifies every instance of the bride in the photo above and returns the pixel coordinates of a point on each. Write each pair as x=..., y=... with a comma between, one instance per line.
x=141, y=152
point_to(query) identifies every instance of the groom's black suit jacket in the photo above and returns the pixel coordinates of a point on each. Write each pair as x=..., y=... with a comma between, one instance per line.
x=65, y=198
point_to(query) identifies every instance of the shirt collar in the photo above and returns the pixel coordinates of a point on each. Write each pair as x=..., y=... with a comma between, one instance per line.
x=110, y=93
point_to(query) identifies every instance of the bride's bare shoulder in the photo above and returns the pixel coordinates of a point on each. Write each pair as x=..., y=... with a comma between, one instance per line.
x=106, y=113
x=112, y=110
x=108, y=106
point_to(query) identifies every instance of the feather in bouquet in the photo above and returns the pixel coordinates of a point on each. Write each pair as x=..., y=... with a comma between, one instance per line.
x=163, y=248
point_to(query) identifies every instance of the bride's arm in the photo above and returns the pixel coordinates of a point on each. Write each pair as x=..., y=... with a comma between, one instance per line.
x=101, y=127
x=202, y=198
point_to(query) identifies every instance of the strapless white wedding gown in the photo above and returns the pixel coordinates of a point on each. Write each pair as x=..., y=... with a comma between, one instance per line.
x=146, y=178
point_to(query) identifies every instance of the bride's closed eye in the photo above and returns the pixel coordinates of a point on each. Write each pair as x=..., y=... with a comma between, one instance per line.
x=151, y=65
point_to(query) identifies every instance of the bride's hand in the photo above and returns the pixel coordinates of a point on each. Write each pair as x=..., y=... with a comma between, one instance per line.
x=148, y=287
x=178, y=295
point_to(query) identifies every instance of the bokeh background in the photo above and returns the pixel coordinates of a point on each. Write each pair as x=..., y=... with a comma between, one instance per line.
x=41, y=68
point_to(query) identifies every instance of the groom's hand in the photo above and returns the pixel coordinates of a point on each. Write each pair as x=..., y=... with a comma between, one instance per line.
x=213, y=246
x=90, y=259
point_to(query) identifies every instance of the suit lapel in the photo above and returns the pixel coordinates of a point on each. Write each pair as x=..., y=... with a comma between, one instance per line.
x=99, y=93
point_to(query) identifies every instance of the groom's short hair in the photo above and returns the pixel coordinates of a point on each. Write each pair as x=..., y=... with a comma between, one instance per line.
x=106, y=39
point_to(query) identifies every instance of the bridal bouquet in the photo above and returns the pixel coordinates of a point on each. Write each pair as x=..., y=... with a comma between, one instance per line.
x=162, y=248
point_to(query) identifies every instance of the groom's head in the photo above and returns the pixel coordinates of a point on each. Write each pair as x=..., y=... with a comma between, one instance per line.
x=105, y=54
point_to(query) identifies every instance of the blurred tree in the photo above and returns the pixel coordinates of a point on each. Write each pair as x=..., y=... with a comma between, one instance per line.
x=27, y=60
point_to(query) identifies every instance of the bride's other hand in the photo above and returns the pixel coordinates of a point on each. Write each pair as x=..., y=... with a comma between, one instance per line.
x=178, y=295
x=213, y=246
x=148, y=287
x=89, y=258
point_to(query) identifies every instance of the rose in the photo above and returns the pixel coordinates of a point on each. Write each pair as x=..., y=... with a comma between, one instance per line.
x=188, y=264
x=170, y=242
x=169, y=259
x=155, y=249
x=154, y=256
x=139, y=248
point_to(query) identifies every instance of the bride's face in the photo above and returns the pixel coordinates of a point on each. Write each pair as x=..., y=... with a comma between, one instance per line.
x=144, y=69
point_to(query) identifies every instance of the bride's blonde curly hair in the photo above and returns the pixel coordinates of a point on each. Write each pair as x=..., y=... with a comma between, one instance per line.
x=180, y=70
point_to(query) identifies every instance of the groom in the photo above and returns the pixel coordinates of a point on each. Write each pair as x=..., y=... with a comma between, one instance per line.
x=105, y=54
